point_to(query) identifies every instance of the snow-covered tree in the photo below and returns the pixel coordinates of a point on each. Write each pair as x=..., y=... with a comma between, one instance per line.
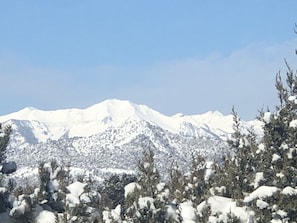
x=147, y=200
x=176, y=184
x=233, y=177
x=261, y=174
x=278, y=150
x=53, y=180
x=197, y=180
x=112, y=190
x=149, y=176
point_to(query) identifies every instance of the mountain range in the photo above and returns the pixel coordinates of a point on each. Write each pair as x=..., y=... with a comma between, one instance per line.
x=109, y=137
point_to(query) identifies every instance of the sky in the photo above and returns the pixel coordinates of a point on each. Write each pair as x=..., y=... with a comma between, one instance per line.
x=174, y=56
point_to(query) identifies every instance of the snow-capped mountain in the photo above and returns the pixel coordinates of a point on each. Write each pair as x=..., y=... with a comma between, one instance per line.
x=110, y=136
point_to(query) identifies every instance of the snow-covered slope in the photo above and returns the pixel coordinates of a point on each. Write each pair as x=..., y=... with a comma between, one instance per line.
x=113, y=134
x=96, y=119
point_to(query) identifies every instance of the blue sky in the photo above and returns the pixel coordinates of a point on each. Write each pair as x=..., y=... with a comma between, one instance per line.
x=174, y=56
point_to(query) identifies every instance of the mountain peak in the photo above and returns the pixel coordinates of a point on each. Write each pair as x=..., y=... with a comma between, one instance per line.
x=111, y=113
x=117, y=109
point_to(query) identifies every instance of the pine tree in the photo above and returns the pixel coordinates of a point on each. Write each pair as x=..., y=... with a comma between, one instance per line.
x=53, y=181
x=196, y=186
x=235, y=175
x=149, y=176
x=112, y=190
x=177, y=184
x=279, y=153
x=147, y=204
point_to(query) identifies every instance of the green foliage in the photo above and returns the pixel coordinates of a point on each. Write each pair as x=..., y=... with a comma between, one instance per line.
x=149, y=176
x=177, y=184
x=231, y=218
x=53, y=180
x=112, y=190
x=147, y=204
x=196, y=186
x=239, y=166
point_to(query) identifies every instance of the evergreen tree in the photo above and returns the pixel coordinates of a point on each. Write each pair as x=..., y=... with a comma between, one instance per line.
x=270, y=162
x=279, y=152
x=149, y=176
x=177, y=184
x=196, y=184
x=236, y=173
x=147, y=204
x=112, y=190
x=53, y=181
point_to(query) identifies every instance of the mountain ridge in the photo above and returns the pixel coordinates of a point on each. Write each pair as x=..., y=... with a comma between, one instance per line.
x=111, y=135
x=112, y=113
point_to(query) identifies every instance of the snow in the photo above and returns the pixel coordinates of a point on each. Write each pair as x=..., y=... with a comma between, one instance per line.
x=44, y=216
x=282, y=213
x=275, y=157
x=72, y=200
x=261, y=192
x=85, y=198
x=292, y=98
x=76, y=189
x=209, y=171
x=261, y=204
x=112, y=216
x=258, y=178
x=289, y=191
x=201, y=206
x=290, y=153
x=293, y=123
x=145, y=202
x=114, y=113
x=116, y=171
x=131, y=187
x=276, y=221
x=2, y=190
x=267, y=117
x=161, y=186
x=91, y=120
x=116, y=213
x=20, y=209
x=261, y=148
x=280, y=175
x=284, y=146
x=188, y=212
x=222, y=206
x=146, y=165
